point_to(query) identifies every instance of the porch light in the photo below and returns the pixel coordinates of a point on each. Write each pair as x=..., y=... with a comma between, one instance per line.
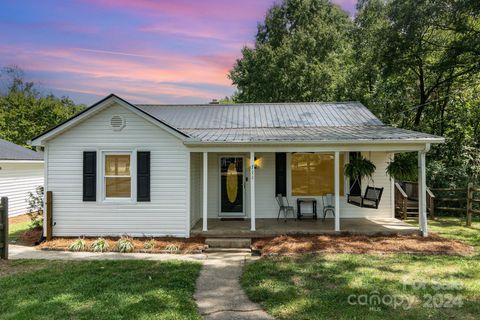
x=258, y=162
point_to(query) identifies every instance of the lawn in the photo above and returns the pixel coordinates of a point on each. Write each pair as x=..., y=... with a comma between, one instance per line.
x=454, y=228
x=344, y=286
x=16, y=229
x=33, y=289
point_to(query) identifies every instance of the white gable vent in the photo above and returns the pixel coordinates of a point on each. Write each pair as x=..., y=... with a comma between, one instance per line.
x=117, y=123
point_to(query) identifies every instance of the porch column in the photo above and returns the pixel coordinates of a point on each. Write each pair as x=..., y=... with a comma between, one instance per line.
x=205, y=191
x=422, y=189
x=252, y=190
x=337, y=191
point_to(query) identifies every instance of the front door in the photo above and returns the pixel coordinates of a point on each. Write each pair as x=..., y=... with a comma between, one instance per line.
x=231, y=186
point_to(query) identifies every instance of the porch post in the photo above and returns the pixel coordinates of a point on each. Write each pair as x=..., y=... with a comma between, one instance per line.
x=252, y=190
x=337, y=191
x=205, y=191
x=422, y=189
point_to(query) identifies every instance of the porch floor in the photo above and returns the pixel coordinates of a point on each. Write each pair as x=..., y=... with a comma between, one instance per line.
x=271, y=227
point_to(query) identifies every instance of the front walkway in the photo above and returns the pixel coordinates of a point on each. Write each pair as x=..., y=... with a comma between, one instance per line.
x=272, y=227
x=22, y=252
x=218, y=291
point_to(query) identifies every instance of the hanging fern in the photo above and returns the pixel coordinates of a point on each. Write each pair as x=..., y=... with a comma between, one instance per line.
x=403, y=168
x=359, y=168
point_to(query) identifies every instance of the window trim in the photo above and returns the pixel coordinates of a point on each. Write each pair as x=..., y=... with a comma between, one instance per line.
x=133, y=177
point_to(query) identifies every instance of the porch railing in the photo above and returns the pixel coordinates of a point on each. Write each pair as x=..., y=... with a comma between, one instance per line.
x=406, y=200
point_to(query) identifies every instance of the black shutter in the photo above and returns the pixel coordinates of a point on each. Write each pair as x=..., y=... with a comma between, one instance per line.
x=143, y=176
x=281, y=173
x=89, y=176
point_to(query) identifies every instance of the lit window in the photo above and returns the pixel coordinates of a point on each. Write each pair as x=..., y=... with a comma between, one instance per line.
x=313, y=174
x=118, y=178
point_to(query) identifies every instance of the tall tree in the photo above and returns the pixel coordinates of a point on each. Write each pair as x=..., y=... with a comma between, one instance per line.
x=301, y=53
x=25, y=113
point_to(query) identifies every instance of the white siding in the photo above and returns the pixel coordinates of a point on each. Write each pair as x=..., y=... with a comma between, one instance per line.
x=165, y=214
x=16, y=181
x=266, y=205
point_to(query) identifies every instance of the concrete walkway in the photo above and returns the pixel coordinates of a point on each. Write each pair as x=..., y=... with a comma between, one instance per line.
x=22, y=252
x=218, y=291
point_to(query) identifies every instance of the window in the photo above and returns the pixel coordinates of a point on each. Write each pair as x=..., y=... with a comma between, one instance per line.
x=118, y=178
x=313, y=174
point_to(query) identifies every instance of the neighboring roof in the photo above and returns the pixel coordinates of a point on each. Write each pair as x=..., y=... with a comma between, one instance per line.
x=263, y=115
x=11, y=151
x=260, y=122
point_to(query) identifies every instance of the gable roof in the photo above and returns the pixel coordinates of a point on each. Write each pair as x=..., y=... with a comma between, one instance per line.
x=100, y=105
x=260, y=122
x=12, y=151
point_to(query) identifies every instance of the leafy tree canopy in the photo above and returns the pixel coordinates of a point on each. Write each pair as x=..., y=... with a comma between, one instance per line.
x=414, y=63
x=25, y=112
x=299, y=55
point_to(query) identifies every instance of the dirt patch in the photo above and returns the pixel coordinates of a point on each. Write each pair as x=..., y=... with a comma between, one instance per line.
x=30, y=237
x=18, y=219
x=433, y=244
x=10, y=267
x=161, y=245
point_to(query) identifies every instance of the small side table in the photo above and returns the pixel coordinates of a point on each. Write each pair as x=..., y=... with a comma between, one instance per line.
x=313, y=201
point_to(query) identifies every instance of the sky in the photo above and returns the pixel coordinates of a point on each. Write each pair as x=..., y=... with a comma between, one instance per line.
x=145, y=51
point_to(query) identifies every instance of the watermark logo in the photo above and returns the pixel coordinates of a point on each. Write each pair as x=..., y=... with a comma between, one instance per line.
x=445, y=295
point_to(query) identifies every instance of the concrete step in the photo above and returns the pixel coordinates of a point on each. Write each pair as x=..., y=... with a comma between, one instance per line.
x=228, y=242
x=228, y=250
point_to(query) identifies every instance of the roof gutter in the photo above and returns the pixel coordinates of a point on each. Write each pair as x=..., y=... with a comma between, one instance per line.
x=193, y=142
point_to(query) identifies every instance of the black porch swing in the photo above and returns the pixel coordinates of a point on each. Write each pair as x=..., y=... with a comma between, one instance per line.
x=371, y=198
x=358, y=168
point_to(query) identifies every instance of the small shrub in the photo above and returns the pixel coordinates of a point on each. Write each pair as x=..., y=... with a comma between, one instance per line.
x=78, y=245
x=100, y=245
x=172, y=247
x=35, y=208
x=125, y=244
x=149, y=245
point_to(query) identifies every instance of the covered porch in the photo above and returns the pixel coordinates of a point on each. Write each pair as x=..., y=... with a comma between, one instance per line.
x=218, y=228
x=257, y=182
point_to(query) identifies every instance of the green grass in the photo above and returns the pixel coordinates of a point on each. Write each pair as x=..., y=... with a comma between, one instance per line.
x=454, y=228
x=319, y=286
x=15, y=230
x=33, y=289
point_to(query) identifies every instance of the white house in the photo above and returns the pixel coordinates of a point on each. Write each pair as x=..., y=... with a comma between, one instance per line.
x=181, y=170
x=21, y=172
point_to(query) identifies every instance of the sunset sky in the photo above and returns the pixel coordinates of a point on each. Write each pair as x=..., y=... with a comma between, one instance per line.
x=145, y=51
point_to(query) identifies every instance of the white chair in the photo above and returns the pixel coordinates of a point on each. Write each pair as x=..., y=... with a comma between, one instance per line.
x=285, y=208
x=328, y=205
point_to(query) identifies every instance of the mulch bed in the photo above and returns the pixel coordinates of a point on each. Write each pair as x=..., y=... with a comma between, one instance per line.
x=30, y=237
x=162, y=245
x=433, y=244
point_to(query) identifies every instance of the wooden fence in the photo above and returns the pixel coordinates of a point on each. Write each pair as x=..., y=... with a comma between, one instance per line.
x=463, y=200
x=4, y=228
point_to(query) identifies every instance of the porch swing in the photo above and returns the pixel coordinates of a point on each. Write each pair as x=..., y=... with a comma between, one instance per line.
x=371, y=198
x=358, y=168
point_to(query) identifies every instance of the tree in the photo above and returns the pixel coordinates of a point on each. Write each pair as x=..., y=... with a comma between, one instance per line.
x=25, y=113
x=302, y=52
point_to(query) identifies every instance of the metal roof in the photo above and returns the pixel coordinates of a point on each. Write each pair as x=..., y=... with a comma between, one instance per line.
x=11, y=151
x=263, y=115
x=321, y=134
x=276, y=122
